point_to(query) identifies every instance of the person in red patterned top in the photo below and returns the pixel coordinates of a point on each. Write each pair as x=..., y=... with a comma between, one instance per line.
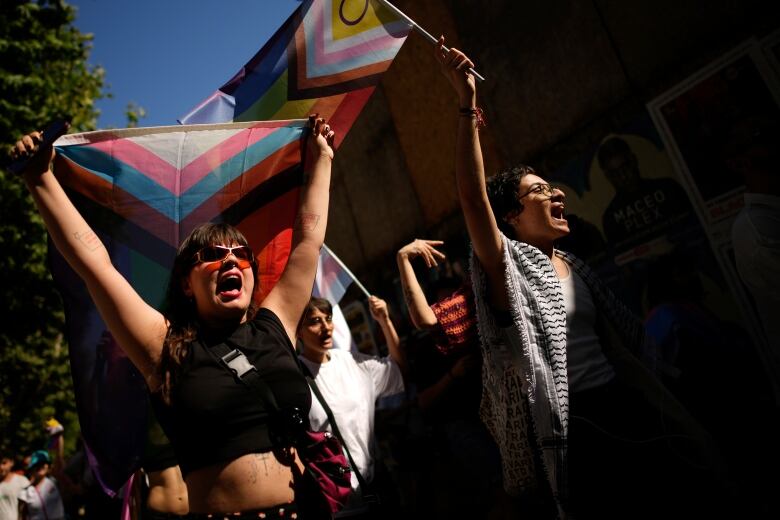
x=448, y=377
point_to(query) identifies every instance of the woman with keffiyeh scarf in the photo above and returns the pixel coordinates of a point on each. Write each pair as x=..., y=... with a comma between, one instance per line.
x=554, y=337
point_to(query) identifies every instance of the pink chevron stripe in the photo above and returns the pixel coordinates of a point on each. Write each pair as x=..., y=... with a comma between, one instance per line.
x=141, y=159
x=124, y=204
x=280, y=160
x=206, y=162
x=325, y=58
x=166, y=175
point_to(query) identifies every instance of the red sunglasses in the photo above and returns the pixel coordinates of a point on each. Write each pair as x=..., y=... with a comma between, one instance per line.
x=210, y=254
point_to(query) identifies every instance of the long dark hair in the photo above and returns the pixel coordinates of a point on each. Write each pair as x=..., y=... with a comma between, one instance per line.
x=179, y=310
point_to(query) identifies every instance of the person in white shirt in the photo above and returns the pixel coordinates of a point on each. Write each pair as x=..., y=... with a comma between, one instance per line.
x=350, y=384
x=41, y=499
x=11, y=485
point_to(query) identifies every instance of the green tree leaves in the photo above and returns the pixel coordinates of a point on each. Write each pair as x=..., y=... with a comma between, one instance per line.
x=44, y=75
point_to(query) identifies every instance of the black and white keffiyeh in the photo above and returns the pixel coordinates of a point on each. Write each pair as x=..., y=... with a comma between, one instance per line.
x=524, y=378
x=525, y=382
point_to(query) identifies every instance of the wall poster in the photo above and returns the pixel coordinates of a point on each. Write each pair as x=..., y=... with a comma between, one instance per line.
x=713, y=124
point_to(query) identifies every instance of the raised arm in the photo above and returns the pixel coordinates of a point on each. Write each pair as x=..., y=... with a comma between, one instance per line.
x=290, y=295
x=470, y=174
x=137, y=327
x=65, y=484
x=58, y=445
x=379, y=312
x=419, y=311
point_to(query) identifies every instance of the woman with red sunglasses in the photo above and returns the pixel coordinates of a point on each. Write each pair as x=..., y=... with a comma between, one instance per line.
x=232, y=459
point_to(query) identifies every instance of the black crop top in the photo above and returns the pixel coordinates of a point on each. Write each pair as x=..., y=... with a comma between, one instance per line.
x=158, y=454
x=213, y=417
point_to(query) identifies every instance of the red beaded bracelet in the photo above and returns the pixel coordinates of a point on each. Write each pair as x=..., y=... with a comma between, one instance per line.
x=474, y=112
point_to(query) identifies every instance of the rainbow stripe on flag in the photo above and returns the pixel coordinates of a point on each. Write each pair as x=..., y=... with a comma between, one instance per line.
x=142, y=191
x=327, y=58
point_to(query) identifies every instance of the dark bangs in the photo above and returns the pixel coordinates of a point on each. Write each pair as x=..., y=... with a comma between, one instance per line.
x=209, y=235
x=320, y=304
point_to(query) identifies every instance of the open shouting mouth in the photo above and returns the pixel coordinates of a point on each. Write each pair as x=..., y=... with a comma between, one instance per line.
x=229, y=285
x=557, y=212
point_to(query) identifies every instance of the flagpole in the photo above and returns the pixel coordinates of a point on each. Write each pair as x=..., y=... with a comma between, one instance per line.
x=428, y=36
x=346, y=269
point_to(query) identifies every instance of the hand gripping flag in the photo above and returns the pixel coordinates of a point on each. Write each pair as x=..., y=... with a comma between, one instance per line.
x=142, y=191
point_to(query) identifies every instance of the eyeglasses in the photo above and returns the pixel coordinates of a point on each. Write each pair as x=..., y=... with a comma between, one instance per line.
x=544, y=189
x=211, y=254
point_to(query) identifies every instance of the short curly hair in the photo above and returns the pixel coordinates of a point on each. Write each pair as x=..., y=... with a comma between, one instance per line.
x=502, y=190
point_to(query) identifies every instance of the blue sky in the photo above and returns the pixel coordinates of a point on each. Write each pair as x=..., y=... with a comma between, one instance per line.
x=168, y=55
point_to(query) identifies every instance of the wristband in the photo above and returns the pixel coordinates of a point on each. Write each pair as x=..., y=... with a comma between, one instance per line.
x=476, y=112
